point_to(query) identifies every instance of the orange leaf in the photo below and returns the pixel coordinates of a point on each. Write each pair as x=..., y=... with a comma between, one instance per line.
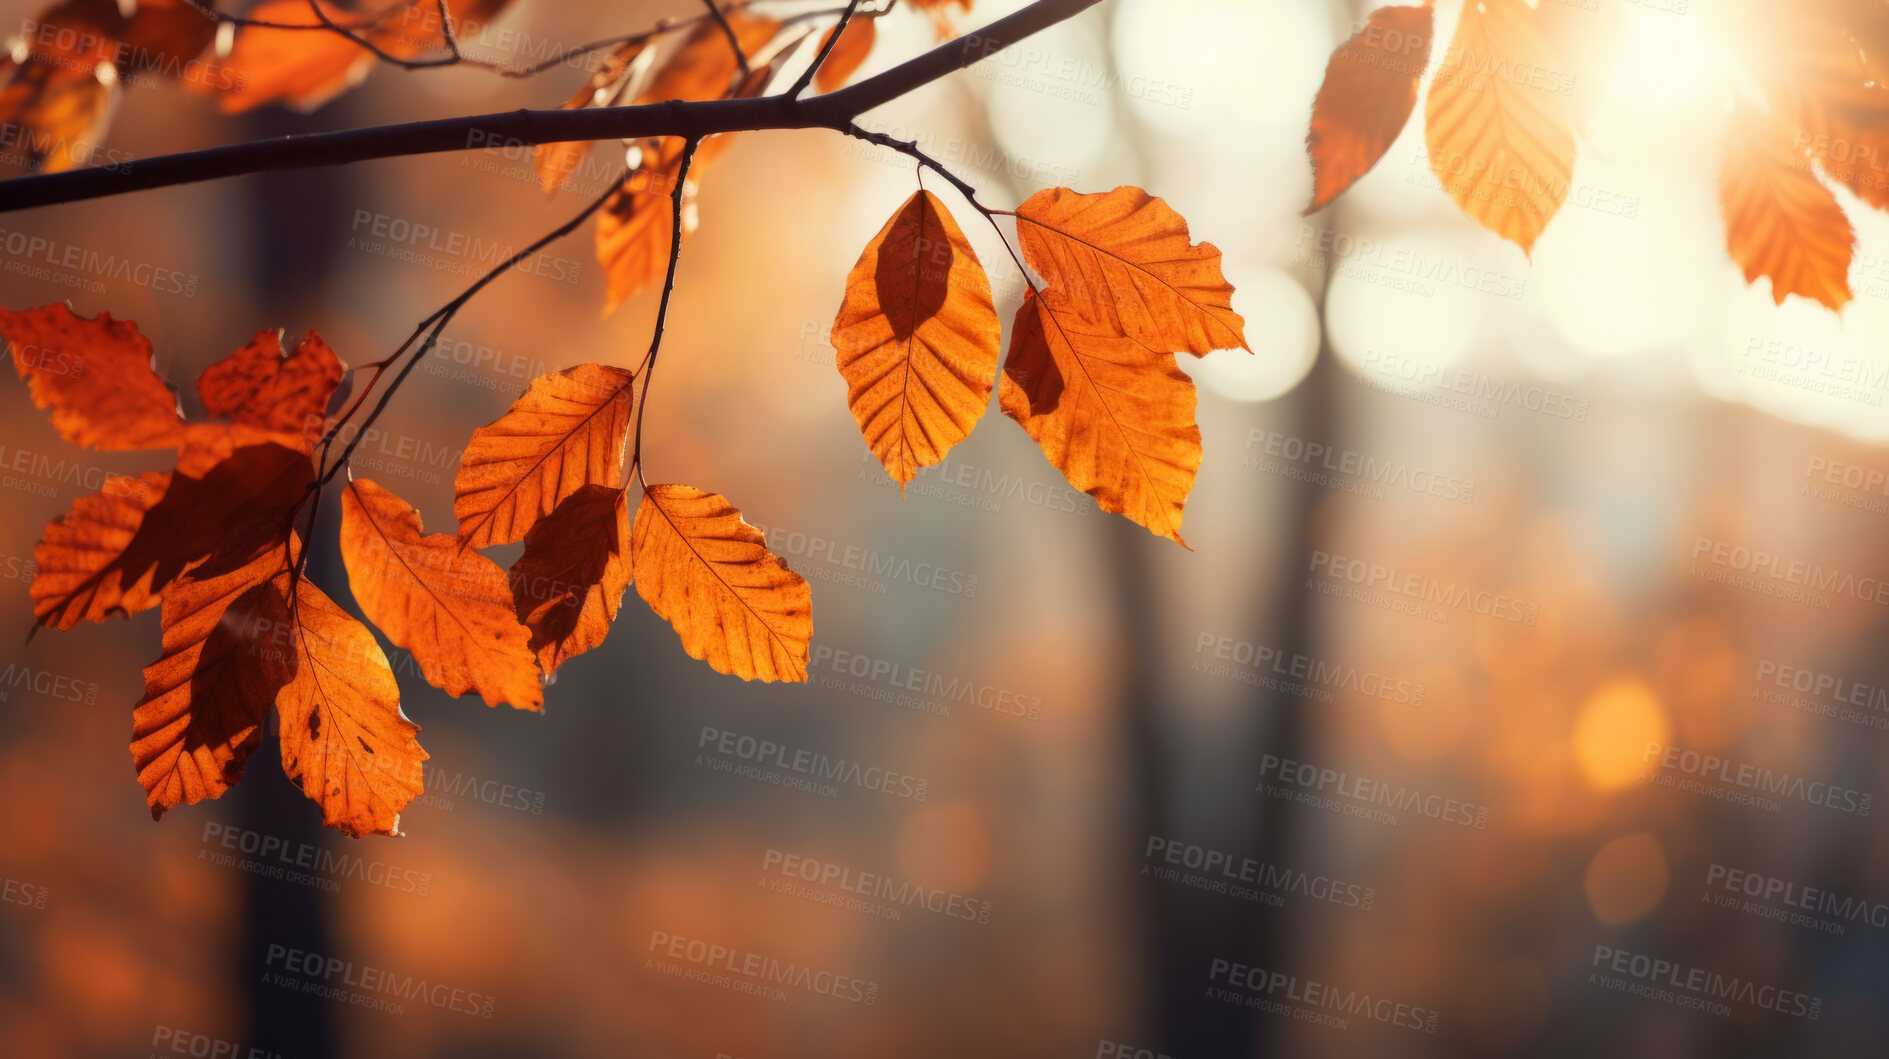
x=92, y=569
x=1503, y=150
x=204, y=700
x=704, y=67
x=449, y=605
x=1124, y=261
x=917, y=338
x=568, y=584
x=564, y=433
x=1369, y=91
x=55, y=115
x=95, y=377
x=304, y=68
x=635, y=228
x=941, y=15
x=709, y=574
x=1114, y=415
x=344, y=740
x=847, y=56
x=76, y=571
x=1780, y=221
x=261, y=387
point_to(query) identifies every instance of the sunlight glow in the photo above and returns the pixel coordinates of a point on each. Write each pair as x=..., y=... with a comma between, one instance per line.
x=1668, y=62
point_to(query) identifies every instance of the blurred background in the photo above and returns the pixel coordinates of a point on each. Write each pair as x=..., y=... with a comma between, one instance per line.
x=1441, y=741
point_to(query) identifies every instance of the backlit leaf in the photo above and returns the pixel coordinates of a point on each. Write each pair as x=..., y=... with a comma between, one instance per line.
x=568, y=584
x=77, y=575
x=1499, y=122
x=450, y=606
x=1123, y=260
x=345, y=741
x=1780, y=220
x=94, y=375
x=1114, y=415
x=709, y=574
x=261, y=387
x=1370, y=88
x=564, y=433
x=847, y=55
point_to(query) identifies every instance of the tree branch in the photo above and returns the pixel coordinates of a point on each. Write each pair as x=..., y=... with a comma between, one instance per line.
x=531, y=127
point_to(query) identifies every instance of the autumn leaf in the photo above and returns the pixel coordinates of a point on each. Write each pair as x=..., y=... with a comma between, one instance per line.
x=1780, y=220
x=94, y=375
x=565, y=432
x=59, y=88
x=345, y=741
x=1369, y=91
x=1498, y=124
x=847, y=55
x=636, y=226
x=1123, y=260
x=568, y=584
x=942, y=15
x=450, y=606
x=703, y=66
x=305, y=68
x=917, y=338
x=77, y=575
x=205, y=699
x=709, y=574
x=1115, y=415
x=259, y=386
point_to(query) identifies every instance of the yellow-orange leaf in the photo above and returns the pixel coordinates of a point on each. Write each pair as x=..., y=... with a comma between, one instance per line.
x=562, y=434
x=57, y=115
x=1114, y=415
x=1369, y=91
x=205, y=699
x=709, y=574
x=94, y=376
x=917, y=338
x=1499, y=123
x=77, y=575
x=1780, y=220
x=259, y=386
x=449, y=605
x=344, y=740
x=847, y=55
x=568, y=584
x=1123, y=260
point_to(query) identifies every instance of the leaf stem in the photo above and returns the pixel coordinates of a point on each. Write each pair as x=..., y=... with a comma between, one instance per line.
x=648, y=368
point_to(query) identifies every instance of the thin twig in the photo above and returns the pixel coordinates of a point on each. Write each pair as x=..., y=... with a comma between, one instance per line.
x=662, y=307
x=728, y=31
x=529, y=127
x=806, y=76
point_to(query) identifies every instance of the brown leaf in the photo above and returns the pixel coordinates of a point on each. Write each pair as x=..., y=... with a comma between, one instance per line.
x=703, y=66
x=1370, y=88
x=565, y=432
x=344, y=740
x=568, y=584
x=1114, y=415
x=917, y=338
x=205, y=699
x=709, y=574
x=55, y=115
x=261, y=387
x=1503, y=150
x=1780, y=220
x=449, y=605
x=94, y=376
x=1123, y=260
x=847, y=56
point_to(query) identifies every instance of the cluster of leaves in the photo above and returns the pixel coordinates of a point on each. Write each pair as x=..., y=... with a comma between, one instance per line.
x=1117, y=290
x=1809, y=109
